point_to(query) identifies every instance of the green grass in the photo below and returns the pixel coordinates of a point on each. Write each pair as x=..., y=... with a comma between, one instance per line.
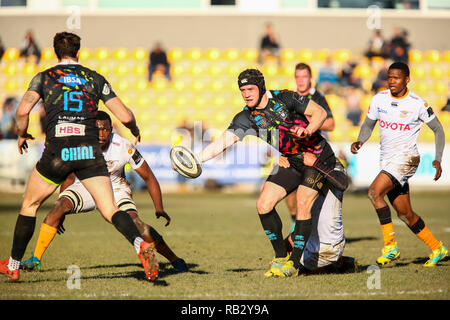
x=221, y=239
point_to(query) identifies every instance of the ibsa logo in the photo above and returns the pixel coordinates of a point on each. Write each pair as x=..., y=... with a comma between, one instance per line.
x=394, y=126
x=72, y=80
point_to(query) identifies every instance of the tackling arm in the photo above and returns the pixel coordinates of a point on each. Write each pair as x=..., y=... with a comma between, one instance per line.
x=316, y=117
x=154, y=190
x=29, y=100
x=124, y=115
x=226, y=140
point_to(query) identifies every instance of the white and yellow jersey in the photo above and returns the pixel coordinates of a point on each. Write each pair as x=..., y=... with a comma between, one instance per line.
x=400, y=120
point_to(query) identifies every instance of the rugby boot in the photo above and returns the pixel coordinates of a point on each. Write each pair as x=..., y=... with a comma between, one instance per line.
x=31, y=264
x=275, y=263
x=148, y=260
x=436, y=256
x=389, y=254
x=12, y=275
x=286, y=270
x=180, y=265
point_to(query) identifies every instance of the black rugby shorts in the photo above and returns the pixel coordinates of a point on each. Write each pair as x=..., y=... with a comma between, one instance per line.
x=62, y=156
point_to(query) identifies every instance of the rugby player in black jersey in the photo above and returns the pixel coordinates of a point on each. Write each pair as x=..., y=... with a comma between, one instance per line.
x=290, y=123
x=70, y=93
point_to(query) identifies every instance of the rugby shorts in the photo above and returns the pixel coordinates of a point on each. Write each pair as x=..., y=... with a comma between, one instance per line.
x=62, y=156
x=327, y=254
x=83, y=202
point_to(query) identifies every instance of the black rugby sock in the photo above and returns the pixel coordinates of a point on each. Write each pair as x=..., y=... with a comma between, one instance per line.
x=124, y=223
x=273, y=226
x=300, y=237
x=22, y=235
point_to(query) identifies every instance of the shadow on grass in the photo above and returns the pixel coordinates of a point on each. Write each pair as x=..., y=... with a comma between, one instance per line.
x=350, y=240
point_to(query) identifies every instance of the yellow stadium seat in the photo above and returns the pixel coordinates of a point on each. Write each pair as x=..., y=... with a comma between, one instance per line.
x=342, y=55
x=85, y=54
x=11, y=85
x=10, y=69
x=121, y=70
x=274, y=85
x=337, y=135
x=139, y=54
x=270, y=70
x=104, y=69
x=141, y=85
x=101, y=54
x=48, y=54
x=440, y=88
x=322, y=54
x=437, y=72
x=433, y=56
x=122, y=85
x=287, y=55
x=164, y=134
x=11, y=54
x=159, y=83
x=213, y=54
x=198, y=85
x=45, y=66
x=179, y=84
x=288, y=70
x=306, y=55
x=140, y=70
x=250, y=54
x=143, y=102
x=161, y=101
x=446, y=56
x=199, y=102
x=215, y=69
x=233, y=70
x=178, y=70
x=219, y=102
x=353, y=133
x=418, y=72
x=120, y=54
x=444, y=117
x=363, y=71
x=415, y=56
x=175, y=54
x=180, y=102
x=232, y=54
x=196, y=70
x=195, y=54
x=422, y=88
x=217, y=85
x=29, y=69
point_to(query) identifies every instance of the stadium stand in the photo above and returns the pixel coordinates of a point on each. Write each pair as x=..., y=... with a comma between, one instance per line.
x=204, y=83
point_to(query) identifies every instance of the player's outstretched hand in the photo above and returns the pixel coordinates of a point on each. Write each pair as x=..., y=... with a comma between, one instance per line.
x=309, y=159
x=437, y=166
x=163, y=214
x=355, y=147
x=138, y=139
x=283, y=162
x=22, y=142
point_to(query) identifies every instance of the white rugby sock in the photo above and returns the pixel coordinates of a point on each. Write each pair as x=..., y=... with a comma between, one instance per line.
x=137, y=244
x=13, y=264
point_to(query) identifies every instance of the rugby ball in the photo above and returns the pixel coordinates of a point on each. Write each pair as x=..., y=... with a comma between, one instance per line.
x=185, y=163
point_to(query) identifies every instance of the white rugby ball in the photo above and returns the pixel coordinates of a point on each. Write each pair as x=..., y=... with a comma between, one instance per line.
x=185, y=163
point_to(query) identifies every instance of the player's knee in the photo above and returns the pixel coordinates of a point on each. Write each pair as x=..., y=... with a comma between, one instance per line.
x=264, y=205
x=374, y=195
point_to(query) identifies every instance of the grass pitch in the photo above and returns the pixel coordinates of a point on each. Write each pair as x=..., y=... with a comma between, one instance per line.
x=221, y=239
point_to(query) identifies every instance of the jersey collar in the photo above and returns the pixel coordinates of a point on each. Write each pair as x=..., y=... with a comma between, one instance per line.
x=67, y=61
x=403, y=96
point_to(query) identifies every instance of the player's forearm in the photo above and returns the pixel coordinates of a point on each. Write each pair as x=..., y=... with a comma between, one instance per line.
x=439, y=137
x=217, y=147
x=30, y=98
x=22, y=124
x=328, y=125
x=317, y=116
x=155, y=193
x=366, y=129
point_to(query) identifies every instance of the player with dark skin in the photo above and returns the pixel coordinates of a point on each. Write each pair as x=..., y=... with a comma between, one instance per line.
x=399, y=159
x=382, y=184
x=64, y=206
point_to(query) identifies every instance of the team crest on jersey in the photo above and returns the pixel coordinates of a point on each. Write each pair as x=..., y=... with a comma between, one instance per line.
x=72, y=80
x=404, y=113
x=106, y=89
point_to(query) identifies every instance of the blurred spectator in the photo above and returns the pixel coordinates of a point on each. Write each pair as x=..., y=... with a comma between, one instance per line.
x=158, y=62
x=347, y=76
x=353, y=104
x=327, y=76
x=269, y=46
x=399, y=45
x=2, y=50
x=29, y=47
x=8, y=129
x=380, y=82
x=378, y=46
x=447, y=105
